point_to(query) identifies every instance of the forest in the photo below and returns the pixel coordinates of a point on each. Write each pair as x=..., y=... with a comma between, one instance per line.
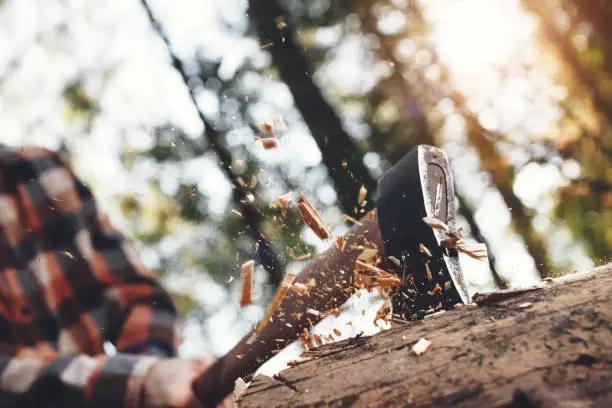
x=161, y=105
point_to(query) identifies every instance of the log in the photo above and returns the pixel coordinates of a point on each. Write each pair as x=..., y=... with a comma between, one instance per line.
x=550, y=347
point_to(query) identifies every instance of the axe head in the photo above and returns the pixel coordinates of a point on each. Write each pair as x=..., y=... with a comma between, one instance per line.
x=421, y=185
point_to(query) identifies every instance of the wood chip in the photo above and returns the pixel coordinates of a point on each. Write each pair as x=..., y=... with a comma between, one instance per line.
x=299, y=258
x=368, y=255
x=363, y=192
x=362, y=266
x=436, y=224
x=437, y=289
x=394, y=260
x=274, y=304
x=369, y=276
x=306, y=340
x=239, y=388
x=278, y=123
x=336, y=311
x=269, y=143
x=246, y=281
x=429, y=275
x=312, y=218
x=346, y=217
x=266, y=128
x=425, y=250
x=475, y=250
x=300, y=288
x=340, y=243
x=313, y=312
x=421, y=346
x=283, y=201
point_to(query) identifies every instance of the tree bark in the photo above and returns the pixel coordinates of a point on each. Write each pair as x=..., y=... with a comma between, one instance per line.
x=550, y=347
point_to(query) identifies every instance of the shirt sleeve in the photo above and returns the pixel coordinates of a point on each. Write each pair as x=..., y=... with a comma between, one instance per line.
x=31, y=378
x=141, y=317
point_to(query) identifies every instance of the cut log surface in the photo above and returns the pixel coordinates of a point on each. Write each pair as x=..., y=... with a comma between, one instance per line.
x=550, y=347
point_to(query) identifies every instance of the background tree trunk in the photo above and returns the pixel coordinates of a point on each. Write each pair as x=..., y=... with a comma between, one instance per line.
x=340, y=154
x=551, y=347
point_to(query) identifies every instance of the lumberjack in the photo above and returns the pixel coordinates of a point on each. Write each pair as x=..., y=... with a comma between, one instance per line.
x=70, y=282
x=412, y=236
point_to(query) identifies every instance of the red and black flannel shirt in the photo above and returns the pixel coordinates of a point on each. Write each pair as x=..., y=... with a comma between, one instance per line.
x=68, y=283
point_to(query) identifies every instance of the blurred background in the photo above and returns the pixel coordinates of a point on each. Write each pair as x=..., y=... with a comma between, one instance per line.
x=157, y=105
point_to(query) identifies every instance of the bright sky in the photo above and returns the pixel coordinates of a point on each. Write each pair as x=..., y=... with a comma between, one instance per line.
x=474, y=38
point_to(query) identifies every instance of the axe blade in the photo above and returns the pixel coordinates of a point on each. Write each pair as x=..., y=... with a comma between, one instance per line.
x=421, y=185
x=440, y=202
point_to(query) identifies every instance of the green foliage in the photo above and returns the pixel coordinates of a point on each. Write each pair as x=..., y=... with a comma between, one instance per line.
x=192, y=203
x=79, y=102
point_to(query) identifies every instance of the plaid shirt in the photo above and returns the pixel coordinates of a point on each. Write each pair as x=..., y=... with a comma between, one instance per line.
x=68, y=283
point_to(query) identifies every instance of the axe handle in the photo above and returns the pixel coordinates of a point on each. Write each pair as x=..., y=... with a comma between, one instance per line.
x=333, y=274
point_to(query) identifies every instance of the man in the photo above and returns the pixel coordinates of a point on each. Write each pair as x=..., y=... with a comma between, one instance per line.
x=69, y=282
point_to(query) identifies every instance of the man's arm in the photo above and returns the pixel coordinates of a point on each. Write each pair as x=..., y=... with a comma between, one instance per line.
x=40, y=194
x=140, y=316
x=35, y=378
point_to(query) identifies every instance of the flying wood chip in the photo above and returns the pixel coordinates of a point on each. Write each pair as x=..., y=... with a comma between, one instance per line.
x=299, y=258
x=274, y=304
x=266, y=128
x=246, y=280
x=363, y=192
x=312, y=218
x=269, y=143
x=436, y=224
x=453, y=240
x=425, y=250
x=283, y=201
x=394, y=260
x=428, y=271
x=369, y=276
x=340, y=243
x=346, y=217
x=368, y=255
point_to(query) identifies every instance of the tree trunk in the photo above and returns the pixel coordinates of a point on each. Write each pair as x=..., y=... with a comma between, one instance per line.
x=265, y=252
x=340, y=153
x=562, y=41
x=550, y=347
x=502, y=172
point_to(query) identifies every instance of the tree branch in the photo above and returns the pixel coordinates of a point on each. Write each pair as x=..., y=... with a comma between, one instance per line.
x=265, y=253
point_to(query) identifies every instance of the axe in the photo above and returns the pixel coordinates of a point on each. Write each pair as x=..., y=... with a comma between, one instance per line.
x=420, y=185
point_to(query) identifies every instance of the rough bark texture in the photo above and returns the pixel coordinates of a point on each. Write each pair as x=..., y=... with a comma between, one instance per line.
x=551, y=347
